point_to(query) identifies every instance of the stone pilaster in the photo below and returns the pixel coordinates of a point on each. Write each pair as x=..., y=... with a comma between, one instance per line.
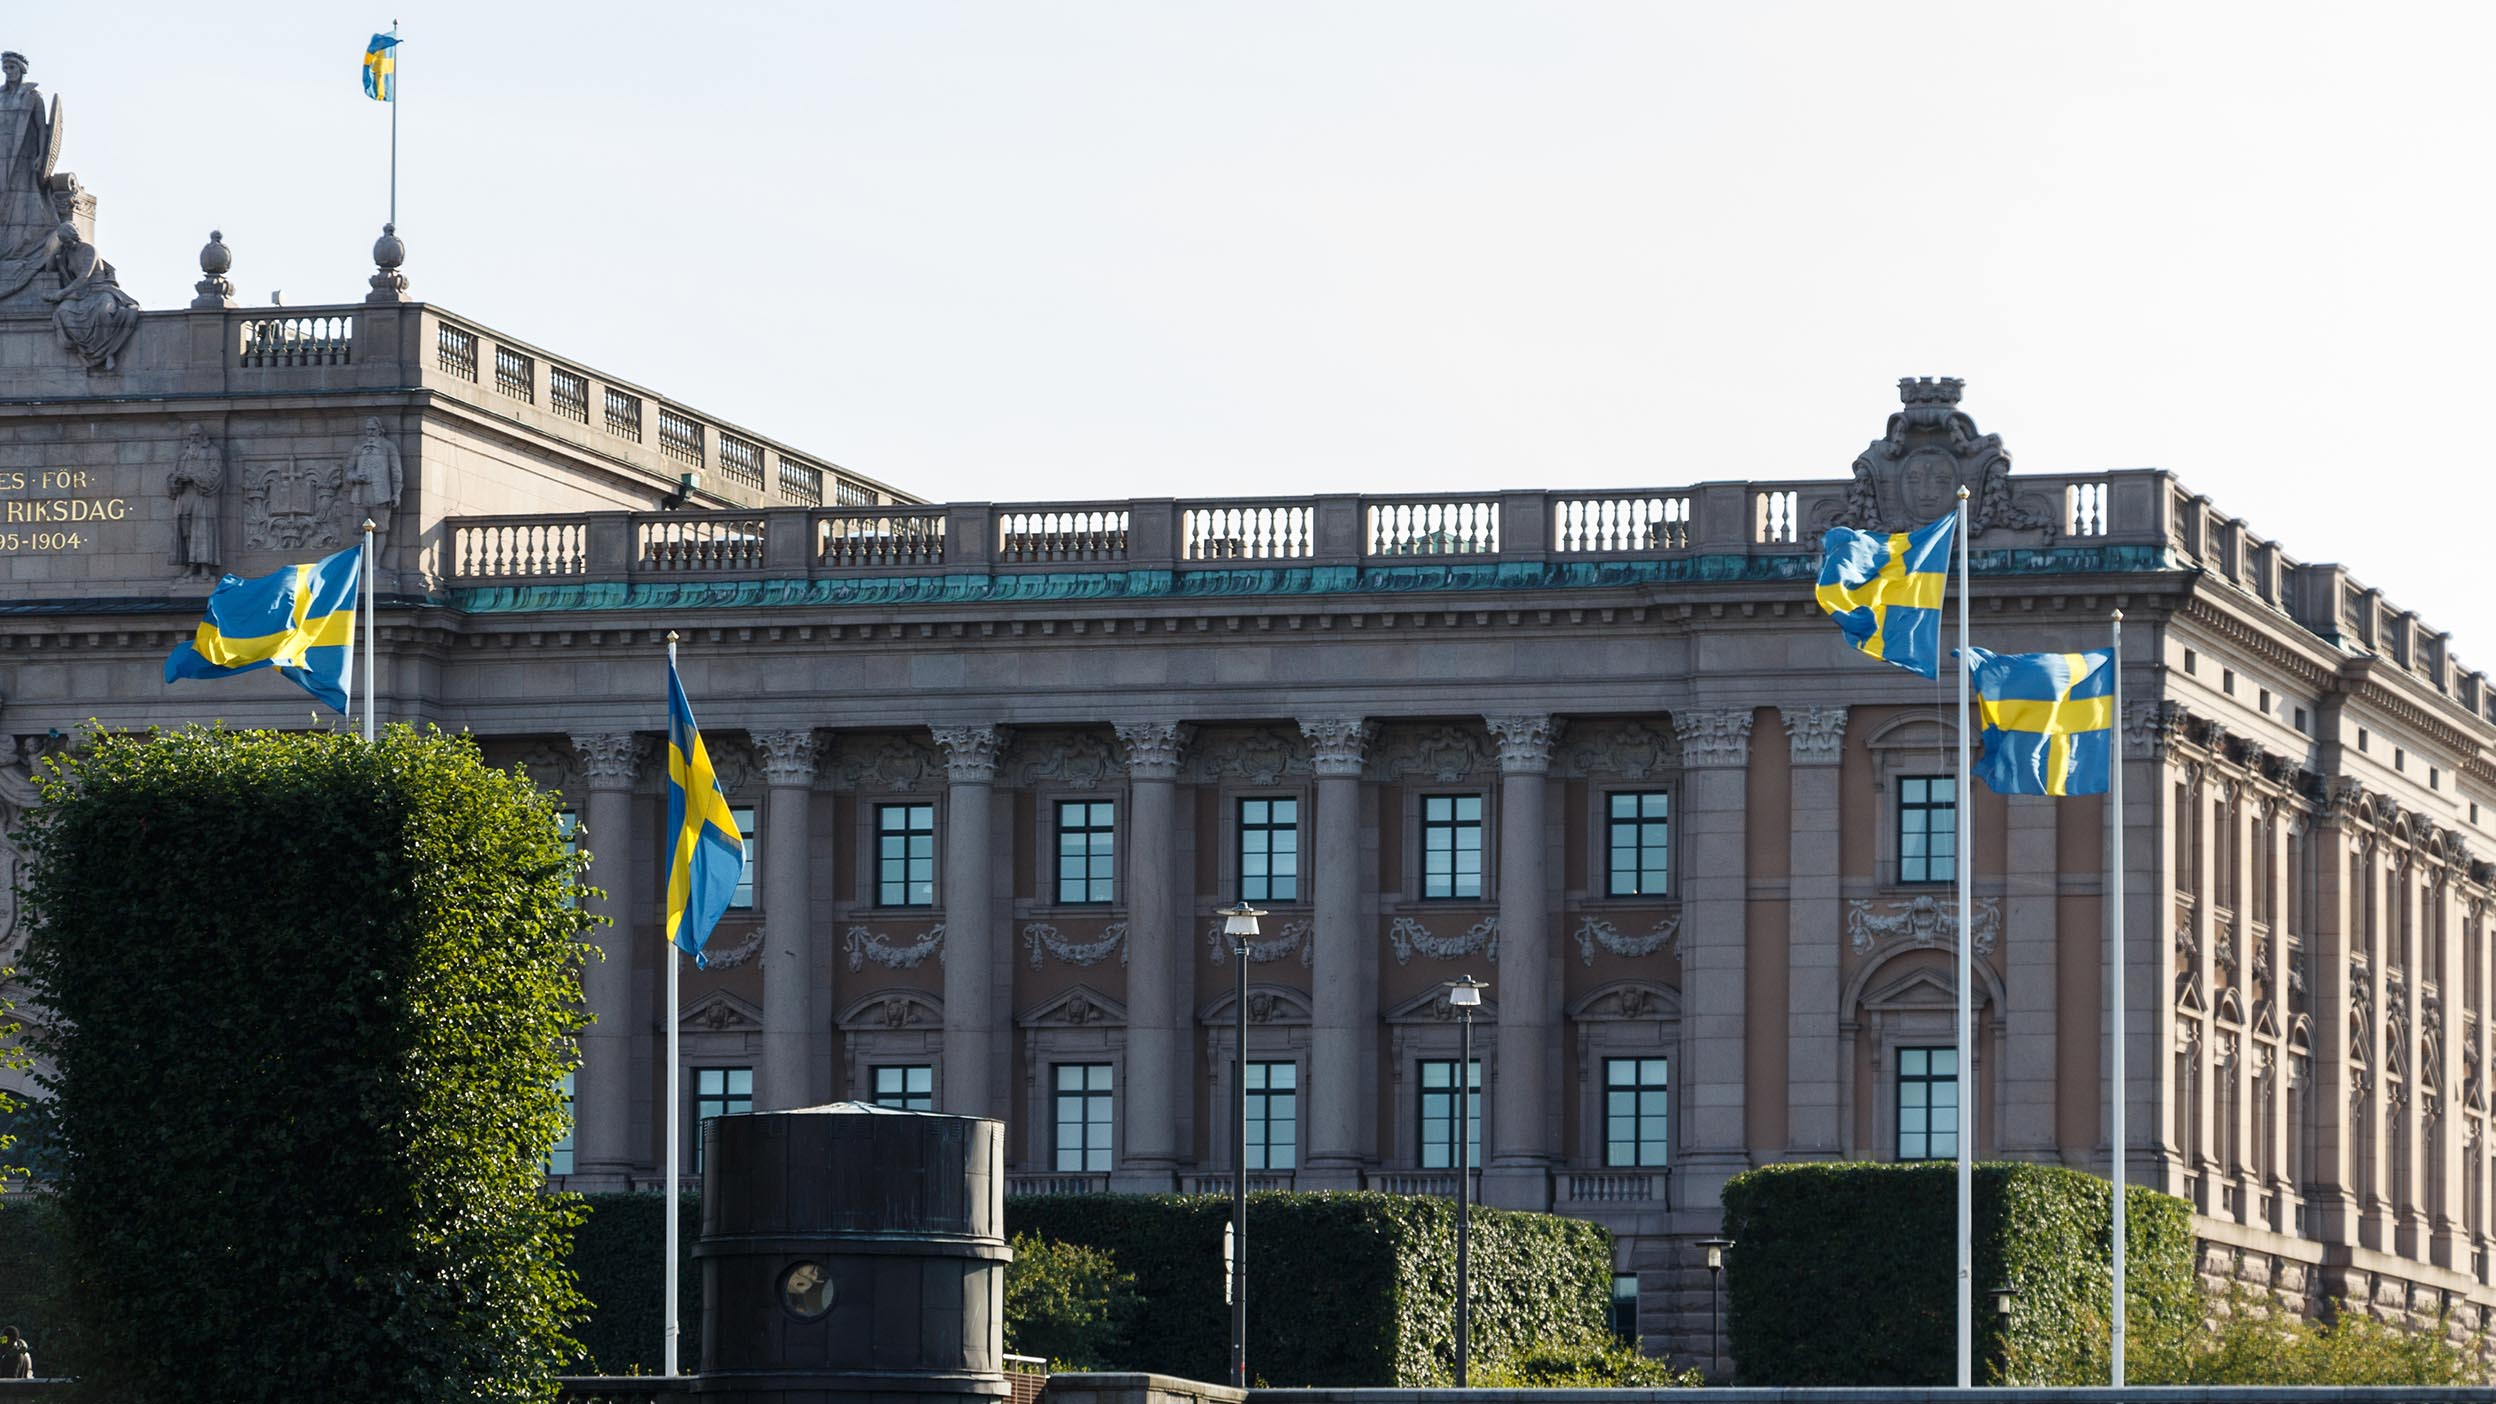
x=602, y=1092
x=2332, y=938
x=1159, y=1092
x=2286, y=826
x=1343, y=1045
x=1816, y=741
x=1525, y=1091
x=1716, y=758
x=2450, y=1245
x=788, y=946
x=2196, y=1125
x=971, y=1078
x=2030, y=953
x=2145, y=897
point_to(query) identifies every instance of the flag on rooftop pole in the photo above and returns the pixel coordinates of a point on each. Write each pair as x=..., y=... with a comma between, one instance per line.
x=381, y=66
x=705, y=855
x=2047, y=721
x=299, y=620
x=1884, y=592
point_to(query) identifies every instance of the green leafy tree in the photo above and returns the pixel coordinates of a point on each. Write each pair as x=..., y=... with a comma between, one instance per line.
x=2253, y=1342
x=1067, y=1303
x=313, y=998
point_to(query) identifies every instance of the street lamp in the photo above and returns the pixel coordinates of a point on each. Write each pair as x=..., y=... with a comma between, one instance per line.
x=1240, y=925
x=2002, y=1296
x=1465, y=996
x=1715, y=1295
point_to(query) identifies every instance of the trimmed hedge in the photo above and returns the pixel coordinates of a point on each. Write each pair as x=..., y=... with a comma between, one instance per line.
x=1344, y=1289
x=313, y=999
x=619, y=1253
x=34, y=1281
x=1843, y=1274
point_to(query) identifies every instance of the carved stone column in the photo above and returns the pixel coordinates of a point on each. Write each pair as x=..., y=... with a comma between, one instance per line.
x=1816, y=738
x=2155, y=856
x=2030, y=953
x=2286, y=826
x=788, y=945
x=2451, y=1247
x=1716, y=758
x=1525, y=1091
x=602, y=1093
x=2332, y=939
x=970, y=1082
x=1159, y=1089
x=1343, y=1046
x=2195, y=1131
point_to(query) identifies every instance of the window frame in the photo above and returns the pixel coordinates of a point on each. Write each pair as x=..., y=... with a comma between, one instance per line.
x=907, y=1095
x=1269, y=828
x=1107, y=882
x=562, y=1156
x=1901, y=806
x=1638, y=1088
x=1901, y=1079
x=723, y=1097
x=1454, y=825
x=1107, y=1123
x=1259, y=1152
x=749, y=875
x=1425, y=1094
x=876, y=834
x=1665, y=887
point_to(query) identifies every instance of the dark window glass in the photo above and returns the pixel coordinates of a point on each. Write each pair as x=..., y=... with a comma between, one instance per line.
x=905, y=855
x=1273, y=1116
x=743, y=898
x=1638, y=828
x=1928, y=1104
x=1439, y=1113
x=1928, y=828
x=1269, y=850
x=1634, y=1112
x=1451, y=846
x=559, y=1160
x=1083, y=1109
x=1087, y=838
x=910, y=1087
x=718, y=1092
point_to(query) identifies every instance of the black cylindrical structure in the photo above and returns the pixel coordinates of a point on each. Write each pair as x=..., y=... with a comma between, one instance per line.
x=853, y=1254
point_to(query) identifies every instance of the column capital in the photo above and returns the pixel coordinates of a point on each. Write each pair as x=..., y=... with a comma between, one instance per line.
x=1336, y=744
x=970, y=752
x=1153, y=747
x=2150, y=728
x=1524, y=742
x=1714, y=739
x=608, y=758
x=1816, y=734
x=788, y=756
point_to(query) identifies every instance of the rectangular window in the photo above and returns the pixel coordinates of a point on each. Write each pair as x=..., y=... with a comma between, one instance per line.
x=1087, y=839
x=718, y=1092
x=1928, y=1103
x=1928, y=828
x=568, y=828
x=1637, y=825
x=1451, y=846
x=1273, y=1116
x=910, y=1087
x=1083, y=1106
x=905, y=855
x=1625, y=1308
x=1439, y=1113
x=742, y=900
x=559, y=1160
x=1269, y=850
x=1633, y=1112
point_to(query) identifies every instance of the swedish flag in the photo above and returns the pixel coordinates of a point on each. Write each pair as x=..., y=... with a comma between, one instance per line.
x=1884, y=592
x=381, y=68
x=705, y=852
x=2047, y=720
x=300, y=621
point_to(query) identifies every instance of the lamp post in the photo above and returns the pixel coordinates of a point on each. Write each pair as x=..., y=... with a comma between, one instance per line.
x=1715, y=1295
x=1465, y=995
x=1240, y=925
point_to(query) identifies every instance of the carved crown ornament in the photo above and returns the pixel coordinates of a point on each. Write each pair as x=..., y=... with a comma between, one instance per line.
x=1913, y=472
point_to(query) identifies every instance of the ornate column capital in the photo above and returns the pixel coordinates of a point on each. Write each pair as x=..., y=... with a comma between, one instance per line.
x=1524, y=742
x=2150, y=728
x=1713, y=739
x=788, y=756
x=1153, y=747
x=1337, y=744
x=608, y=758
x=970, y=752
x=1817, y=735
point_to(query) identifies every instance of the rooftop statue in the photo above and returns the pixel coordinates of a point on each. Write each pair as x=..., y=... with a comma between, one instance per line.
x=30, y=152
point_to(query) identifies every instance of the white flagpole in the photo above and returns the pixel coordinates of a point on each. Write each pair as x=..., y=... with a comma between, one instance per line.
x=1967, y=974
x=2114, y=940
x=394, y=124
x=674, y=1077
x=372, y=638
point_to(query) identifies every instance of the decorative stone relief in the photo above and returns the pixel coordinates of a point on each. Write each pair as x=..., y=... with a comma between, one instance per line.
x=864, y=946
x=215, y=261
x=1594, y=933
x=1920, y=921
x=1294, y=935
x=1912, y=473
x=1336, y=744
x=196, y=483
x=749, y=949
x=373, y=477
x=970, y=752
x=1441, y=753
x=91, y=315
x=1714, y=738
x=30, y=153
x=1407, y=937
x=1153, y=747
x=1524, y=742
x=899, y=1013
x=1627, y=1002
x=607, y=759
x=734, y=762
x=287, y=502
x=1258, y=755
x=1078, y=759
x=788, y=757
x=1816, y=735
x=2150, y=728
x=1629, y=750
x=1044, y=939
x=550, y=768
x=721, y=1017
x=886, y=763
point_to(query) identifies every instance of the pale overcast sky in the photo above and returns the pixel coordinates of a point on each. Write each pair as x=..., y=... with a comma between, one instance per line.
x=1032, y=249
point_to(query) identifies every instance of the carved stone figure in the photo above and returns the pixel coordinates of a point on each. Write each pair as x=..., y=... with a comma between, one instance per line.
x=198, y=478
x=286, y=505
x=29, y=149
x=94, y=317
x=373, y=477
x=1912, y=473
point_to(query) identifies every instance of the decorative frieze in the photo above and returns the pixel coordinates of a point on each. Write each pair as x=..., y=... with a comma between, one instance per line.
x=1524, y=742
x=1041, y=939
x=970, y=752
x=1077, y=760
x=1407, y=937
x=865, y=947
x=1816, y=735
x=1594, y=933
x=1441, y=753
x=1713, y=739
x=751, y=948
x=1920, y=921
x=1259, y=755
x=1153, y=747
x=1626, y=749
x=886, y=763
x=607, y=759
x=1337, y=744
x=788, y=757
x=1293, y=935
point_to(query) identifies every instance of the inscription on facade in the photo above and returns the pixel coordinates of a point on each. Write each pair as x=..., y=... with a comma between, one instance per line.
x=32, y=507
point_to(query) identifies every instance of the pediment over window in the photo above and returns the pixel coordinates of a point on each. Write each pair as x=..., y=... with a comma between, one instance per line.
x=1431, y=1007
x=1911, y=978
x=721, y=1012
x=893, y=1009
x=1627, y=1000
x=1929, y=732
x=1267, y=1004
x=1082, y=1007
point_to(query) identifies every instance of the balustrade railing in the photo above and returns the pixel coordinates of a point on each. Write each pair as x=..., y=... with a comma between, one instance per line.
x=851, y=541
x=515, y=374
x=1433, y=529
x=455, y=351
x=741, y=460
x=568, y=392
x=1248, y=532
x=1439, y=1182
x=1620, y=524
x=2084, y=508
x=1051, y=535
x=1776, y=517
x=524, y=548
x=801, y=482
x=1057, y=1184
x=323, y=340
x=1652, y=1187
x=682, y=544
x=1259, y=1182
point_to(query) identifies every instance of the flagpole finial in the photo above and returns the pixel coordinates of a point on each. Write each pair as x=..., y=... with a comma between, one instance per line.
x=370, y=526
x=2118, y=616
x=671, y=636
x=1962, y=492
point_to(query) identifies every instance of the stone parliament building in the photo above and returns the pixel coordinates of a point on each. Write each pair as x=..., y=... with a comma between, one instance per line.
x=1002, y=762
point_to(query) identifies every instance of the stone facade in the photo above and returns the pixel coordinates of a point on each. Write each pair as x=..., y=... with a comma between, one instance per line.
x=1437, y=704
